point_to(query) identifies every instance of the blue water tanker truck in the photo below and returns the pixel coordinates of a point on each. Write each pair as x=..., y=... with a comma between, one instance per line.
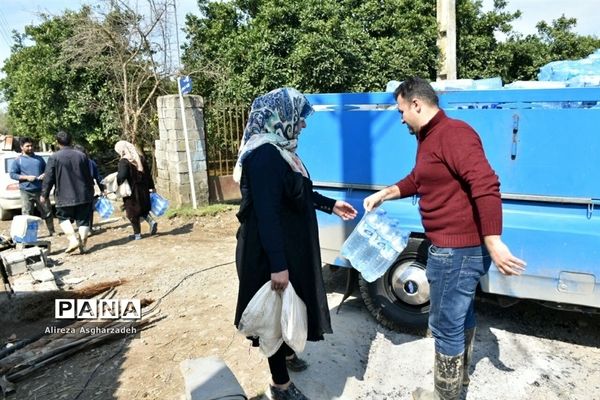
x=544, y=145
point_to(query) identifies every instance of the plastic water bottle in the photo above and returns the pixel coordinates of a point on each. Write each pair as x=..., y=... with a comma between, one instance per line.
x=359, y=239
x=380, y=263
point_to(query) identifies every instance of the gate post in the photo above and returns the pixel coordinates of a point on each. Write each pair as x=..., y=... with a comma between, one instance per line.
x=173, y=180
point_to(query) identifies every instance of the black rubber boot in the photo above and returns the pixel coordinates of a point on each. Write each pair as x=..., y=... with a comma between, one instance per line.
x=469, y=339
x=447, y=379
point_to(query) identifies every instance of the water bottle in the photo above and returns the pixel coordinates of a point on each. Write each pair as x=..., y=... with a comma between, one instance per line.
x=359, y=238
x=380, y=263
x=373, y=263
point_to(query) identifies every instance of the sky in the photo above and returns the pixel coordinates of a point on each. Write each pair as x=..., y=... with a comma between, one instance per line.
x=16, y=14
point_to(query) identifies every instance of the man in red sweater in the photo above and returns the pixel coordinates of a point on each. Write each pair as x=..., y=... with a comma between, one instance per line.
x=461, y=211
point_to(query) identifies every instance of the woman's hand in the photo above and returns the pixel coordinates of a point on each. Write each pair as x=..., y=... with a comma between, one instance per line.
x=344, y=210
x=280, y=280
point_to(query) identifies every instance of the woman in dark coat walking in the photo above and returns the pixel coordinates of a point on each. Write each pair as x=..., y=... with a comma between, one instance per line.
x=278, y=238
x=134, y=169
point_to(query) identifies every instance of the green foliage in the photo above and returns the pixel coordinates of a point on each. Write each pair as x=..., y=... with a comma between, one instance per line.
x=187, y=212
x=46, y=95
x=239, y=49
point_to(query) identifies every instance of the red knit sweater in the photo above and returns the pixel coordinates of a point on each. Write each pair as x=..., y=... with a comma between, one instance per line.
x=460, y=198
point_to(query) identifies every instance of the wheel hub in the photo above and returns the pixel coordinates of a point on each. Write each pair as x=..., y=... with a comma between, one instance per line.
x=409, y=283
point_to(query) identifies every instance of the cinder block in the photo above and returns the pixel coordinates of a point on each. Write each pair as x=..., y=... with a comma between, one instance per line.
x=43, y=275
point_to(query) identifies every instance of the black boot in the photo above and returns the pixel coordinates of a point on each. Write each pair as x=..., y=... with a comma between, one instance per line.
x=447, y=379
x=469, y=339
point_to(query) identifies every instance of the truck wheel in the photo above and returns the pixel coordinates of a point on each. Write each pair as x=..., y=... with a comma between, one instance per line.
x=5, y=215
x=400, y=298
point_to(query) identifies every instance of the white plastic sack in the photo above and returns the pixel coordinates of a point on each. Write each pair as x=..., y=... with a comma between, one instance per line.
x=262, y=318
x=294, y=324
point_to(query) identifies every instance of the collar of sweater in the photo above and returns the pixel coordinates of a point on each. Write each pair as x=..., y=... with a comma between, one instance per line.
x=433, y=122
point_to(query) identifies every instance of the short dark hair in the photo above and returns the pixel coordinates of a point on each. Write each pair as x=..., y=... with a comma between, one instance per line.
x=63, y=138
x=415, y=87
x=24, y=140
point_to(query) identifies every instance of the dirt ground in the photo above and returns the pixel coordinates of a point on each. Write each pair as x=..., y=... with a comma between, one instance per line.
x=523, y=352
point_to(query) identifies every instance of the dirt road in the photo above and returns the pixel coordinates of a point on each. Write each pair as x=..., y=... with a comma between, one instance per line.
x=525, y=352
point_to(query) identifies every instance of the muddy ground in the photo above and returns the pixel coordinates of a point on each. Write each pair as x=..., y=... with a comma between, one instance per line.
x=523, y=352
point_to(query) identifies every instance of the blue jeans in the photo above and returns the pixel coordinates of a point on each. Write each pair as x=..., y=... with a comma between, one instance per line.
x=453, y=275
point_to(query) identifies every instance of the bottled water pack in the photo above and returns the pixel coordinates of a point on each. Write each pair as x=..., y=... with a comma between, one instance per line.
x=375, y=244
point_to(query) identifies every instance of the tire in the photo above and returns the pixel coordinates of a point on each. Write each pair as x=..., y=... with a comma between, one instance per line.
x=405, y=304
x=5, y=215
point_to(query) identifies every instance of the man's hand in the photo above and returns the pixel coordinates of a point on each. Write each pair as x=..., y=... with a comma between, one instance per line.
x=41, y=177
x=344, y=210
x=506, y=263
x=377, y=198
x=42, y=199
x=280, y=280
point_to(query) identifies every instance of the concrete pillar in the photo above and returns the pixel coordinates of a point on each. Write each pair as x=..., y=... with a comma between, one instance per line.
x=173, y=180
x=446, y=19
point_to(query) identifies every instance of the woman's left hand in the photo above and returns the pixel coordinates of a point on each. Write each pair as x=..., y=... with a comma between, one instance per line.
x=344, y=210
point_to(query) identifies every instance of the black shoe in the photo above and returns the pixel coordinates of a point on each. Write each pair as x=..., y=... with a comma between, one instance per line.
x=296, y=364
x=291, y=393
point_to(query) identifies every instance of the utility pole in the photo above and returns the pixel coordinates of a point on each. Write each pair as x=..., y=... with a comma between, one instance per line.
x=446, y=42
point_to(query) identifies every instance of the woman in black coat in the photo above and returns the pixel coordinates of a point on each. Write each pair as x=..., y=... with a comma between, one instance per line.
x=278, y=238
x=134, y=169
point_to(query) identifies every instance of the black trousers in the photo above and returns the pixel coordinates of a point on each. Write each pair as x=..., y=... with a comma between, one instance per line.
x=279, y=372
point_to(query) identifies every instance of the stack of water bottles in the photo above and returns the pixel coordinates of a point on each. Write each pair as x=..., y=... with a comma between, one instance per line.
x=375, y=244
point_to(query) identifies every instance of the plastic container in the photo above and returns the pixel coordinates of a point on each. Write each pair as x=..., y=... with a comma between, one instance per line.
x=104, y=207
x=375, y=244
x=24, y=228
x=158, y=204
x=358, y=240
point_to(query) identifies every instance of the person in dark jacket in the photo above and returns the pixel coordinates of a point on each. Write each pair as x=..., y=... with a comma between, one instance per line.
x=134, y=169
x=68, y=171
x=278, y=236
x=28, y=168
x=96, y=177
x=461, y=211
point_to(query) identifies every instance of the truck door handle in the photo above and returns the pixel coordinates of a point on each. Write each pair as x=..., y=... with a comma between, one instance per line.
x=515, y=130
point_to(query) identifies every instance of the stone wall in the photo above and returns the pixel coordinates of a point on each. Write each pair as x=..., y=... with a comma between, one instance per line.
x=173, y=181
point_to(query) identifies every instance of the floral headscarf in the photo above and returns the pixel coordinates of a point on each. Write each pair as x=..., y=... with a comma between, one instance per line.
x=128, y=151
x=275, y=118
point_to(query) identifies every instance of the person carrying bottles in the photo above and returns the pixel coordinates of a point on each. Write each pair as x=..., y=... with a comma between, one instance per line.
x=278, y=235
x=28, y=168
x=461, y=212
x=68, y=172
x=134, y=170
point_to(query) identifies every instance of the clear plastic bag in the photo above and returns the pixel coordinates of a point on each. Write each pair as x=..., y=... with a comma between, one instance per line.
x=294, y=324
x=262, y=319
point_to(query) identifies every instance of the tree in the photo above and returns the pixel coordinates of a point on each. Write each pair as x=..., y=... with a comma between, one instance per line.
x=520, y=58
x=252, y=46
x=132, y=51
x=46, y=95
x=247, y=47
x=95, y=73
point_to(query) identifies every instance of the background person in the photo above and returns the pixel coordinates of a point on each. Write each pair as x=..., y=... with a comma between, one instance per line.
x=278, y=236
x=461, y=212
x=28, y=168
x=134, y=169
x=69, y=172
x=96, y=177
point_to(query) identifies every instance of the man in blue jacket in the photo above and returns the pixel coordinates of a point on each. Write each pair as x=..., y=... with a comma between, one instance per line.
x=69, y=172
x=28, y=168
